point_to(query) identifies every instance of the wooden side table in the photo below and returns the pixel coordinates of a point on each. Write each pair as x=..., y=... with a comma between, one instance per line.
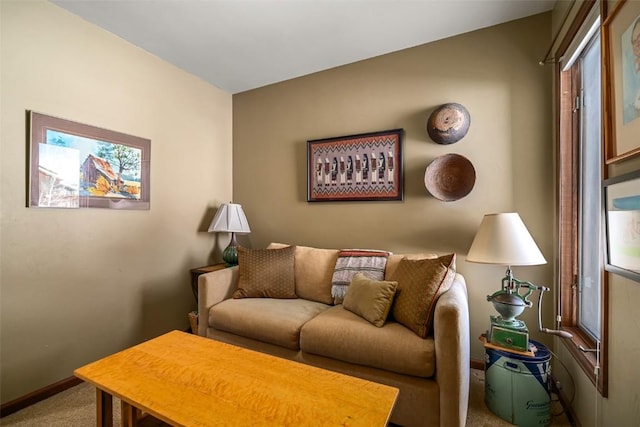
x=196, y=272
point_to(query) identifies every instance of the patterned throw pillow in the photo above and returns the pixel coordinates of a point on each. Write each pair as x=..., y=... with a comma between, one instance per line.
x=266, y=273
x=369, y=262
x=370, y=299
x=420, y=283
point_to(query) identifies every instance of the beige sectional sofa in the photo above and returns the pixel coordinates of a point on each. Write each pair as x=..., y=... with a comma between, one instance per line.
x=431, y=373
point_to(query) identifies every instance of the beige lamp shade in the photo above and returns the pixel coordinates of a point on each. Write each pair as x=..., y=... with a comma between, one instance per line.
x=504, y=239
x=230, y=218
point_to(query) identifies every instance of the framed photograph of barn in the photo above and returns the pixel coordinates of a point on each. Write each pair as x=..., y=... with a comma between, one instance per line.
x=73, y=165
x=355, y=167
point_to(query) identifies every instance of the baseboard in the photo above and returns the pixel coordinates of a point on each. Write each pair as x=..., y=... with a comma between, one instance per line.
x=42, y=394
x=38, y=395
x=477, y=364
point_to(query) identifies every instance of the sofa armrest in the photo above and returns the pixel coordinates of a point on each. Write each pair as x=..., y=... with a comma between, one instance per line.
x=213, y=288
x=451, y=332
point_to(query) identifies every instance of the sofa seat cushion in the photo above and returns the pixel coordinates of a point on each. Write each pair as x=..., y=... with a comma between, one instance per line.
x=275, y=321
x=340, y=334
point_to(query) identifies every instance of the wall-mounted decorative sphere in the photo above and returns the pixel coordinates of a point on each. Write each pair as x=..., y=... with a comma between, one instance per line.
x=448, y=123
x=450, y=177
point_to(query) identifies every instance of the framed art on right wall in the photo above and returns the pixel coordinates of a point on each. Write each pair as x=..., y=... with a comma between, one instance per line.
x=622, y=222
x=621, y=81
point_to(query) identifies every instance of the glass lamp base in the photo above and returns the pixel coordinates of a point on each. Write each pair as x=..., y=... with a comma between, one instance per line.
x=230, y=256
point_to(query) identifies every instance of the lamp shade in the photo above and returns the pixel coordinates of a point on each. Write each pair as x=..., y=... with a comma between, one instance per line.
x=230, y=218
x=504, y=239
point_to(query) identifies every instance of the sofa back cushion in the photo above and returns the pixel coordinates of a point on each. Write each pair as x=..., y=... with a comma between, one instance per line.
x=266, y=273
x=313, y=272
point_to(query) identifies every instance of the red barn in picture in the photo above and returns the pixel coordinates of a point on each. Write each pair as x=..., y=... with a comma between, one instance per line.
x=95, y=167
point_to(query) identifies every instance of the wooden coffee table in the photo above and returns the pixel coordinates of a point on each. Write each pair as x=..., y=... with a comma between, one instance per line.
x=187, y=380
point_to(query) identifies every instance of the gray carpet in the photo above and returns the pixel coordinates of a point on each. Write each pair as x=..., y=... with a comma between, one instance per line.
x=76, y=408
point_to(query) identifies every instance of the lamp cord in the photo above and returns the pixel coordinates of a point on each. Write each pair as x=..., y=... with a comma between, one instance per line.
x=573, y=383
x=597, y=377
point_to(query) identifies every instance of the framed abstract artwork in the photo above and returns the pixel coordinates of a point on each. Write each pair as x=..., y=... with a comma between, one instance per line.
x=73, y=165
x=621, y=81
x=622, y=218
x=366, y=167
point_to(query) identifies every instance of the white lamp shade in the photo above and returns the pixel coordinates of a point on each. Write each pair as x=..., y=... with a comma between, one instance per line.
x=230, y=218
x=504, y=239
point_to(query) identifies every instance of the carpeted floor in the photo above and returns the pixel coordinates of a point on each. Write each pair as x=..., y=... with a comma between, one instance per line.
x=76, y=408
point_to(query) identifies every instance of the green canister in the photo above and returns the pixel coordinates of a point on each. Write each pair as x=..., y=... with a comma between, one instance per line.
x=517, y=386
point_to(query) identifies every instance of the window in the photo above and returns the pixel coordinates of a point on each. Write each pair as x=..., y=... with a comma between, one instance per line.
x=580, y=166
x=589, y=183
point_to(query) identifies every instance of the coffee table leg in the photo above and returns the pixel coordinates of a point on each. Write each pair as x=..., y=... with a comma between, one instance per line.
x=129, y=414
x=104, y=408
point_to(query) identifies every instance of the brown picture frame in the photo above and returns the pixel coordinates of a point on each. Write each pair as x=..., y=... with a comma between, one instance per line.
x=73, y=165
x=621, y=119
x=362, y=167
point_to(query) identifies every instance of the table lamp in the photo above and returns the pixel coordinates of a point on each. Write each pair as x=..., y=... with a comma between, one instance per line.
x=503, y=239
x=230, y=218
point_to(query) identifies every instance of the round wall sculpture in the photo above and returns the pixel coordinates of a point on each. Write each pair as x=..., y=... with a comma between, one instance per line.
x=450, y=177
x=448, y=123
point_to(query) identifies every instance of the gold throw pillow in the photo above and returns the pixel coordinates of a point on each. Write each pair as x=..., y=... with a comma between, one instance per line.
x=370, y=299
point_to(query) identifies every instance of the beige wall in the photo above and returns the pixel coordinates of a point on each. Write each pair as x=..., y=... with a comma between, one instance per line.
x=494, y=72
x=79, y=284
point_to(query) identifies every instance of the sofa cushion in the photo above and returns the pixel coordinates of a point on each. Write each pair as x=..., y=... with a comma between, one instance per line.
x=275, y=321
x=313, y=271
x=420, y=283
x=340, y=334
x=266, y=273
x=370, y=299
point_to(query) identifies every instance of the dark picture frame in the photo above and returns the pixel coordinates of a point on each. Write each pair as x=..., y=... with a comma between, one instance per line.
x=73, y=165
x=362, y=167
x=621, y=199
x=621, y=81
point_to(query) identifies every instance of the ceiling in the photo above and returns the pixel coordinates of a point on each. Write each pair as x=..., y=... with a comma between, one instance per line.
x=238, y=45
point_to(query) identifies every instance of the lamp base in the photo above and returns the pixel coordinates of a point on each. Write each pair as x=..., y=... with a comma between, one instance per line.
x=513, y=335
x=230, y=255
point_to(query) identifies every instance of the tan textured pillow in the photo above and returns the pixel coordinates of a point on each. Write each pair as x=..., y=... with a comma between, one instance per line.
x=394, y=260
x=266, y=273
x=370, y=299
x=420, y=283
